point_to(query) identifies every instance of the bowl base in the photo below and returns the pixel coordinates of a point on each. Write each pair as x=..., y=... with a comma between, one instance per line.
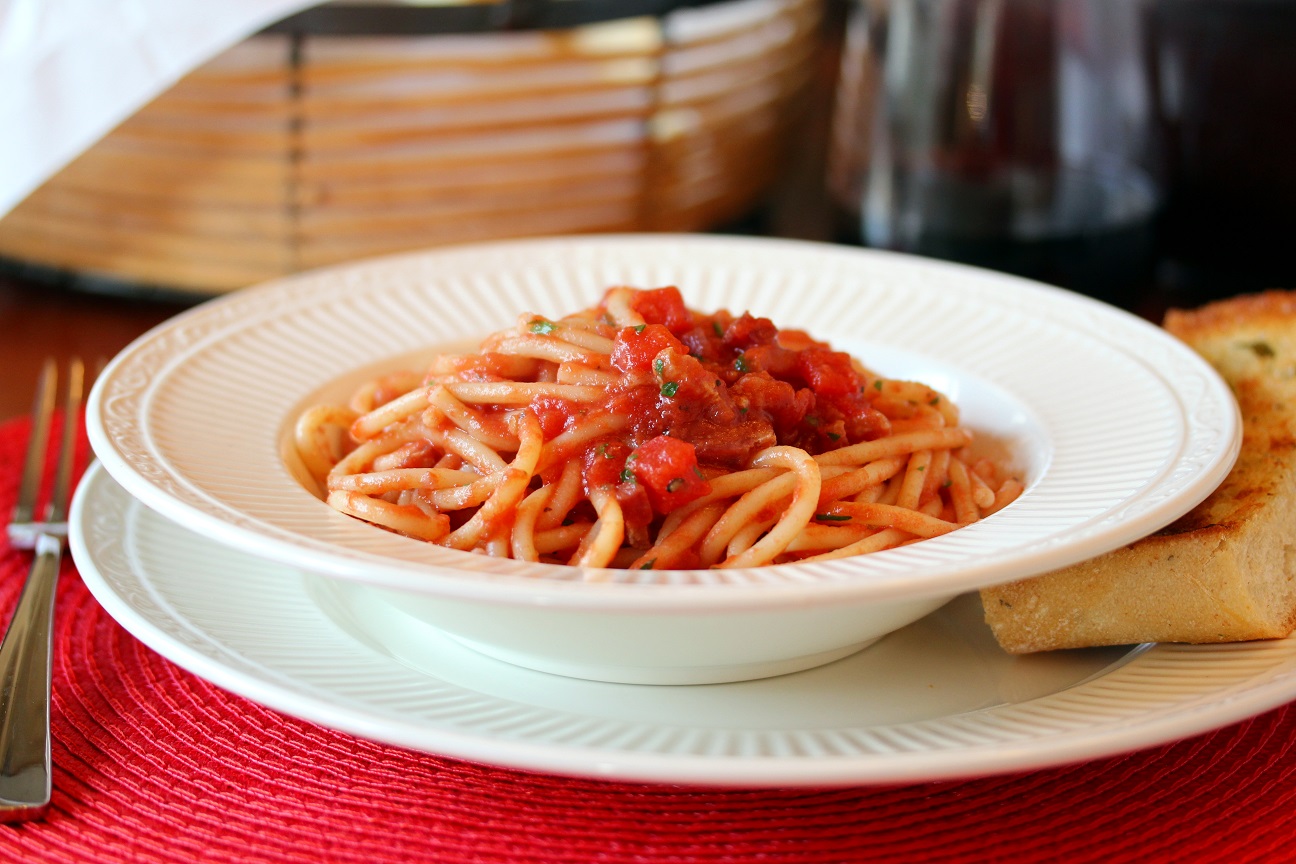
x=668, y=675
x=391, y=623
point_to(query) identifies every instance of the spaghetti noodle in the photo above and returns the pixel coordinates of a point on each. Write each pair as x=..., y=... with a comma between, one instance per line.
x=642, y=434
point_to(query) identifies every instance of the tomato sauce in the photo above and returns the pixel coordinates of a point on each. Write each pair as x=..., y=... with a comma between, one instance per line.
x=704, y=393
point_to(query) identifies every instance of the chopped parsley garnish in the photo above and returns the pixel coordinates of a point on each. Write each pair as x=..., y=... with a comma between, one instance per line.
x=639, y=328
x=543, y=326
x=717, y=329
x=741, y=364
x=659, y=366
x=627, y=476
x=831, y=517
x=648, y=565
x=670, y=388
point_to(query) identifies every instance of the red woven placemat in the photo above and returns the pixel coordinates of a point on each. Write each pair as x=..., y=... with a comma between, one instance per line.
x=153, y=764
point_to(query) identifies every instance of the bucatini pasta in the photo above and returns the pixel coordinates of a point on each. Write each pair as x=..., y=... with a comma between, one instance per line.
x=642, y=434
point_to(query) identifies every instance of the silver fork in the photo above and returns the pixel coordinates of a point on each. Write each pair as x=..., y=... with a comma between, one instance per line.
x=25, y=654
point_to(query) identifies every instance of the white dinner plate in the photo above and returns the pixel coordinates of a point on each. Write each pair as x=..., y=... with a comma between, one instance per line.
x=936, y=700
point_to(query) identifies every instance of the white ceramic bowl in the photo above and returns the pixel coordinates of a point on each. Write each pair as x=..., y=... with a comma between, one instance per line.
x=1116, y=427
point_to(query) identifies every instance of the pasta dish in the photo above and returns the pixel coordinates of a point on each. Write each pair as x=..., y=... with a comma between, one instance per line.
x=642, y=434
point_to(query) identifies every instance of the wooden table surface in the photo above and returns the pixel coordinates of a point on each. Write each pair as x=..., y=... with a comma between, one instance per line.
x=39, y=320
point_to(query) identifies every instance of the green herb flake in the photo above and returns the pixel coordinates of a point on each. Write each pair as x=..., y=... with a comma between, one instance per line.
x=741, y=365
x=542, y=326
x=833, y=436
x=627, y=476
x=877, y=385
x=831, y=517
x=717, y=329
x=670, y=388
x=648, y=565
x=640, y=328
x=659, y=366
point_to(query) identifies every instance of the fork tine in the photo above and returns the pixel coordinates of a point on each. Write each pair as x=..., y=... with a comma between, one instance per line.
x=57, y=511
x=34, y=464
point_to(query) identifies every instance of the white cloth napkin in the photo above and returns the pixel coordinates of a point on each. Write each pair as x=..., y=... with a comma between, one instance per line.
x=71, y=70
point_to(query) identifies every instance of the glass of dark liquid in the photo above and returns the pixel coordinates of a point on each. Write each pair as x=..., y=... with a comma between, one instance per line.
x=1010, y=134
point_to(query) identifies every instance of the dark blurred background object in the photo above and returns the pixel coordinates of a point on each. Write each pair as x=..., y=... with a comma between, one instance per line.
x=1010, y=134
x=1225, y=76
x=946, y=109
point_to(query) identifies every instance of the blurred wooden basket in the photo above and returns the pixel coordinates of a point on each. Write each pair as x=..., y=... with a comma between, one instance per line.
x=297, y=149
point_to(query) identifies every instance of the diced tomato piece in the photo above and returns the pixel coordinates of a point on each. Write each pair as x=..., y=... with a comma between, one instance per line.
x=829, y=373
x=668, y=470
x=604, y=463
x=779, y=362
x=783, y=405
x=635, y=509
x=664, y=306
x=635, y=347
x=553, y=415
x=746, y=331
x=702, y=343
x=864, y=422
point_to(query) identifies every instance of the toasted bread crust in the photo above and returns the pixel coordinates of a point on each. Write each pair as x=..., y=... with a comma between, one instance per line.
x=1221, y=572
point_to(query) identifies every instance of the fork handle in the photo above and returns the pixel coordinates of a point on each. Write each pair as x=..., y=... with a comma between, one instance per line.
x=25, y=781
